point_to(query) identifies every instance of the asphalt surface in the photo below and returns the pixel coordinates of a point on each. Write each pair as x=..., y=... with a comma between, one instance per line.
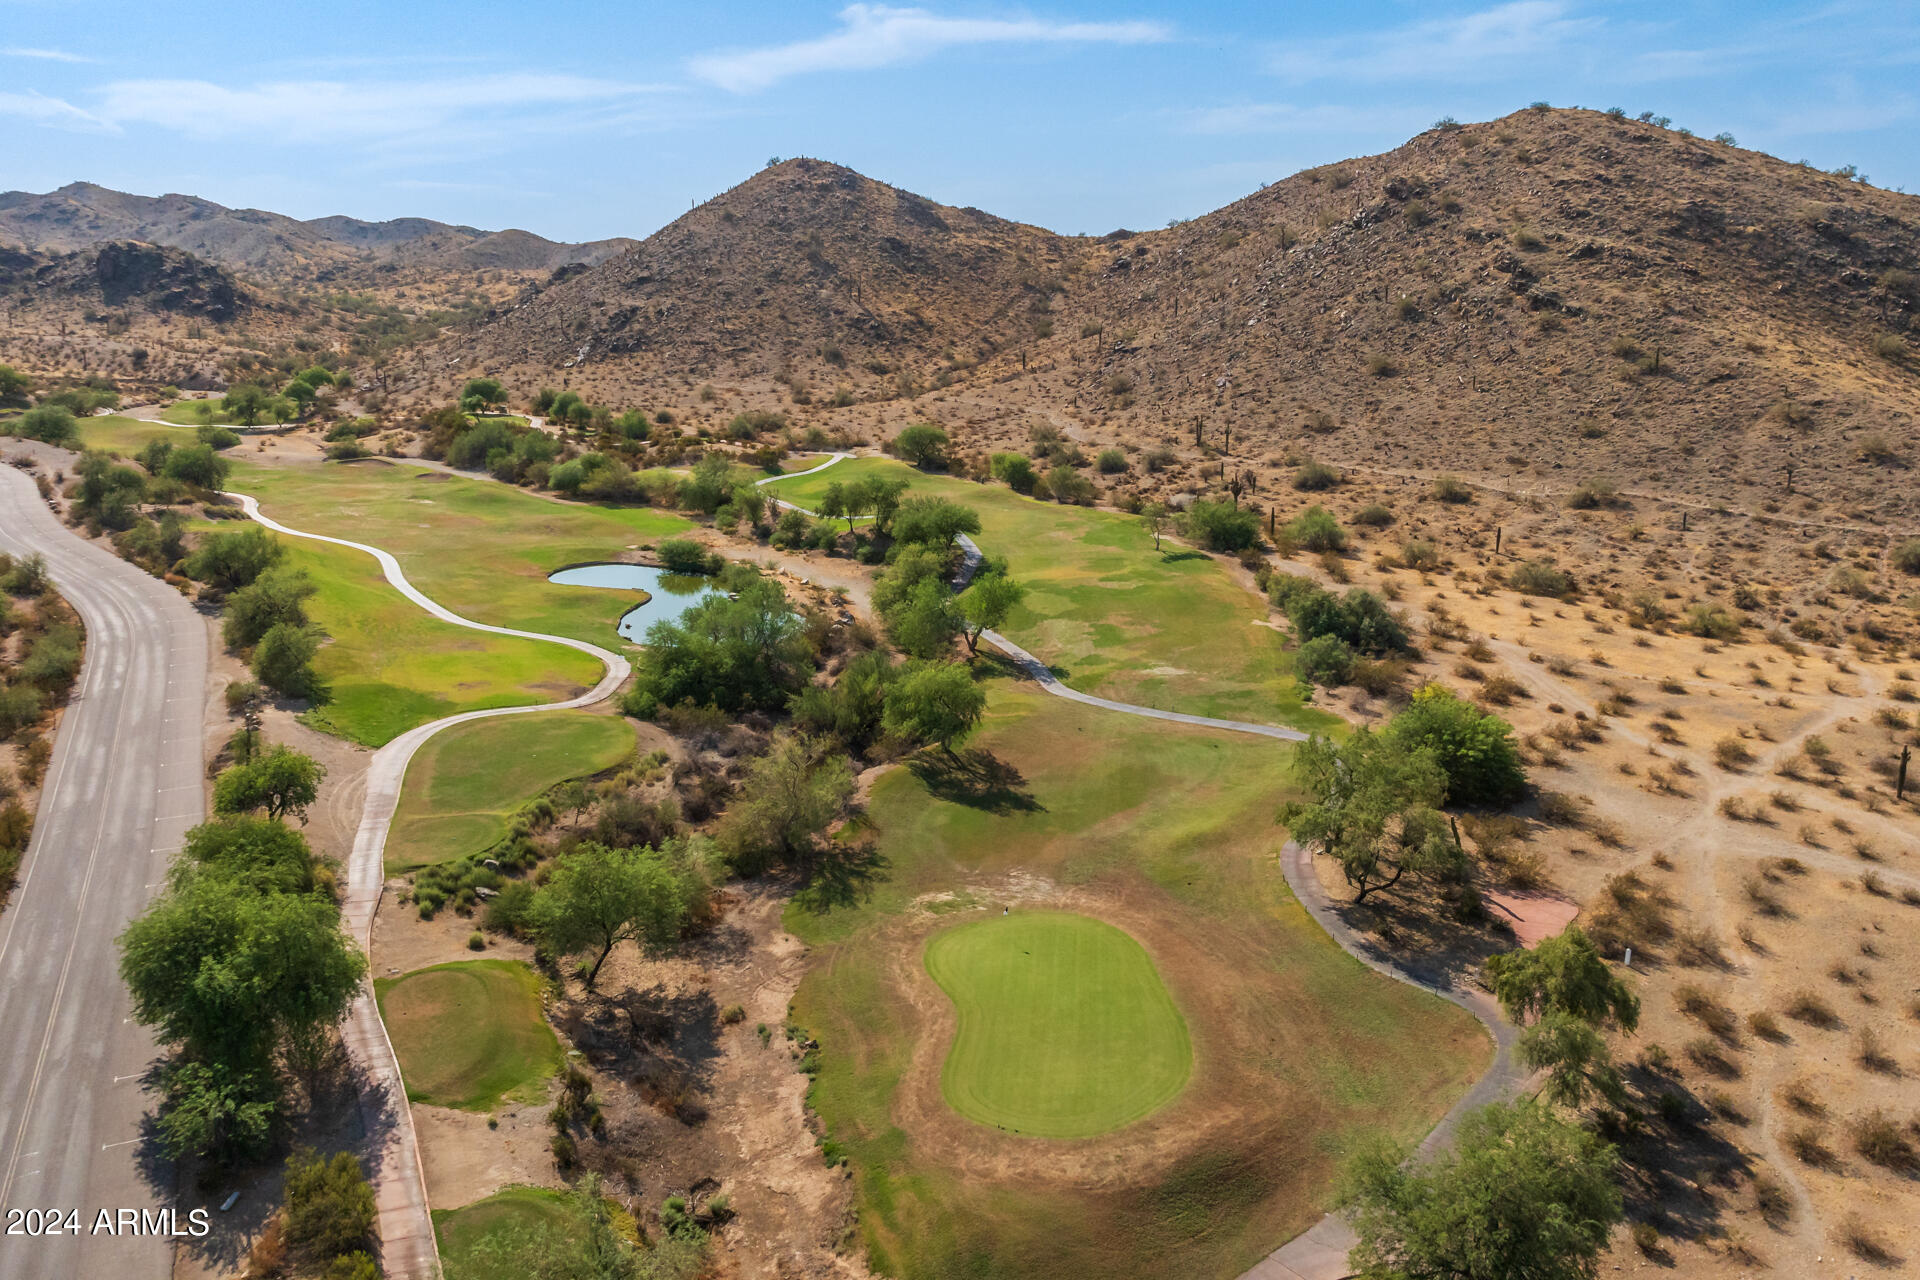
x=124, y=785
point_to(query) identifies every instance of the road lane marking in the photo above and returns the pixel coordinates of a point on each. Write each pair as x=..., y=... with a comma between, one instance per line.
x=108, y=1146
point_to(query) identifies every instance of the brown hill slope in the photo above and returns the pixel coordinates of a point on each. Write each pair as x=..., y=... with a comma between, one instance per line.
x=1552, y=296
x=1557, y=287
x=806, y=262
x=272, y=245
x=121, y=273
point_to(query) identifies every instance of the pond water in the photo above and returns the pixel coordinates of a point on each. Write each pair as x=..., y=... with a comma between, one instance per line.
x=672, y=594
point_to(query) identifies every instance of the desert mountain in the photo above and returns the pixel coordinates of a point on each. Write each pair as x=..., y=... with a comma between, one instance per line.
x=1567, y=289
x=805, y=262
x=122, y=273
x=272, y=245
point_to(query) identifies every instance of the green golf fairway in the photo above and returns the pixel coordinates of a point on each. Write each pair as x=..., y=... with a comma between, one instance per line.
x=1065, y=1029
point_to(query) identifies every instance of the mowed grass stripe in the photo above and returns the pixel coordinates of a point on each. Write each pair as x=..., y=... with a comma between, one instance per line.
x=1065, y=1029
x=462, y=785
x=469, y=1033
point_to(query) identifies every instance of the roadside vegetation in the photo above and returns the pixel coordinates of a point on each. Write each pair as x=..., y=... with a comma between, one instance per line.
x=41, y=641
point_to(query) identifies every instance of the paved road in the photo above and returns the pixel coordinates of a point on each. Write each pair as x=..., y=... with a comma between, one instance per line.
x=124, y=785
x=400, y=1188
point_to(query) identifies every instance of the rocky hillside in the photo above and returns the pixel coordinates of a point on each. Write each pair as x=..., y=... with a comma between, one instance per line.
x=1560, y=290
x=121, y=273
x=1561, y=287
x=271, y=245
x=806, y=263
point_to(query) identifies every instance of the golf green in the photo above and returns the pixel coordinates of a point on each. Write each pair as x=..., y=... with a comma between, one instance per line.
x=1065, y=1030
x=469, y=1033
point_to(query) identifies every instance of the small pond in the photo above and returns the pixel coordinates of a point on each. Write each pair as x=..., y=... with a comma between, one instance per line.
x=672, y=594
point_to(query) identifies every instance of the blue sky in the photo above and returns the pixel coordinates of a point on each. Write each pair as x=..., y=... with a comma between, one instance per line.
x=585, y=118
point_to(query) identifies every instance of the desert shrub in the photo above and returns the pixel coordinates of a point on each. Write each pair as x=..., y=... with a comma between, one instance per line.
x=1222, y=526
x=1540, y=578
x=1373, y=516
x=1359, y=619
x=923, y=444
x=1452, y=489
x=1420, y=554
x=1591, y=495
x=1111, y=462
x=1325, y=661
x=1906, y=556
x=1066, y=485
x=1881, y=1139
x=1316, y=530
x=1711, y=622
x=683, y=555
x=1382, y=365
x=1312, y=477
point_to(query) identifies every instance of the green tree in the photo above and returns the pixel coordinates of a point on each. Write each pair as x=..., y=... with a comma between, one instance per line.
x=217, y=1111
x=925, y=623
x=1521, y=1193
x=299, y=394
x=230, y=559
x=744, y=654
x=263, y=854
x=923, y=444
x=935, y=702
x=330, y=1209
x=1016, y=469
x=1564, y=974
x=277, y=596
x=1474, y=747
x=986, y=604
x=284, y=782
x=598, y=898
x=246, y=403
x=789, y=797
x=14, y=386
x=283, y=661
x=486, y=391
x=1154, y=516
x=227, y=974
x=1374, y=808
x=934, y=521
x=851, y=708
x=198, y=464
x=1574, y=1056
x=48, y=423
x=881, y=496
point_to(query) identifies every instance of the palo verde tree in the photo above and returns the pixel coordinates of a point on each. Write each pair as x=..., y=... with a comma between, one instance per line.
x=600, y=897
x=1375, y=809
x=283, y=782
x=935, y=702
x=986, y=604
x=1573, y=993
x=787, y=801
x=1521, y=1193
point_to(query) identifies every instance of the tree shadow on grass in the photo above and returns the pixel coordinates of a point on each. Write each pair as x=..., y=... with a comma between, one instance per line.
x=843, y=877
x=1175, y=557
x=974, y=777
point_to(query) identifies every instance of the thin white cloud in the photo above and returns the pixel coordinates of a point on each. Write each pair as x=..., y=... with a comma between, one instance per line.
x=1509, y=36
x=42, y=109
x=873, y=36
x=45, y=55
x=342, y=111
